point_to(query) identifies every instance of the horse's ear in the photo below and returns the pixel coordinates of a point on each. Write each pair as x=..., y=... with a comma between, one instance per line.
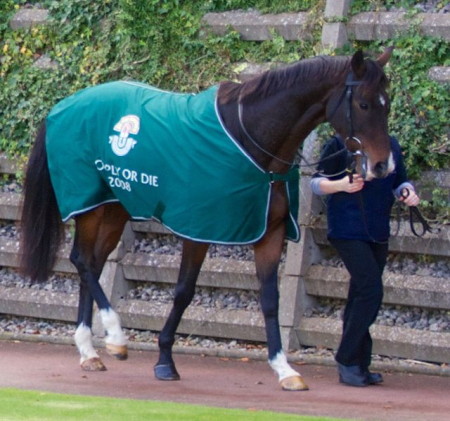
x=358, y=64
x=384, y=58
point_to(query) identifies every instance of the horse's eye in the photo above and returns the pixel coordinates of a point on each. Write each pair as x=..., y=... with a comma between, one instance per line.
x=363, y=106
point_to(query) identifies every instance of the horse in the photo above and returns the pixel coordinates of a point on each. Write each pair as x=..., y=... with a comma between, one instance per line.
x=266, y=118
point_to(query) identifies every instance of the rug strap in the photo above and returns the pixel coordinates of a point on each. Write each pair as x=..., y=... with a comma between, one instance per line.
x=291, y=175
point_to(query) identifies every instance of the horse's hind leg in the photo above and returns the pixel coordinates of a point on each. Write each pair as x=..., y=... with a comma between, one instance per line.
x=89, y=361
x=96, y=235
x=191, y=262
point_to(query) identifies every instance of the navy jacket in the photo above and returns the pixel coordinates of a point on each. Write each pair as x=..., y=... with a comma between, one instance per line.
x=363, y=215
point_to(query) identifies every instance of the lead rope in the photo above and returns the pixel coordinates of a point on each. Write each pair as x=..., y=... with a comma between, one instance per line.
x=414, y=216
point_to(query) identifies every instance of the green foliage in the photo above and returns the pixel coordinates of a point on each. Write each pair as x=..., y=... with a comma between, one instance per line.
x=377, y=5
x=420, y=113
x=167, y=43
x=159, y=42
x=264, y=6
x=162, y=42
x=74, y=39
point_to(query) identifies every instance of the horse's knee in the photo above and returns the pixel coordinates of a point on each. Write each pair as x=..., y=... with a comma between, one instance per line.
x=183, y=297
x=74, y=258
x=79, y=262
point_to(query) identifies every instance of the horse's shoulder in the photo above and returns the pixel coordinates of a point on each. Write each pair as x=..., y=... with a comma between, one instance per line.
x=228, y=91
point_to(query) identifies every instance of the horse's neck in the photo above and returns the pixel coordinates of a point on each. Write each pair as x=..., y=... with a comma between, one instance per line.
x=278, y=124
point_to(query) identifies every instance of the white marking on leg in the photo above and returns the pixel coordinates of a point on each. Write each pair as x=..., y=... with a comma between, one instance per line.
x=282, y=367
x=83, y=340
x=111, y=323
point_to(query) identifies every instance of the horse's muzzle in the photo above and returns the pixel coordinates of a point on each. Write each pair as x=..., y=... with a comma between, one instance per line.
x=380, y=169
x=383, y=168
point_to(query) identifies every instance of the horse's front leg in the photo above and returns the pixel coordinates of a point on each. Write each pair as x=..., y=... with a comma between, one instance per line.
x=267, y=257
x=191, y=262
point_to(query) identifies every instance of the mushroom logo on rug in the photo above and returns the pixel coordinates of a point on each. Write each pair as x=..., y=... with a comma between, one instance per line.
x=122, y=144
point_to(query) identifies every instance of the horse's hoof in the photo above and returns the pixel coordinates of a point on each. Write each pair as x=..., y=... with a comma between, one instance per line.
x=117, y=351
x=166, y=372
x=93, y=364
x=294, y=383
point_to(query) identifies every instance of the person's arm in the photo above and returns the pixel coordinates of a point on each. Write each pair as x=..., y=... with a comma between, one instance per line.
x=411, y=198
x=322, y=185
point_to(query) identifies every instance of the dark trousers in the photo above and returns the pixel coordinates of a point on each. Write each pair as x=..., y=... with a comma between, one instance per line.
x=365, y=262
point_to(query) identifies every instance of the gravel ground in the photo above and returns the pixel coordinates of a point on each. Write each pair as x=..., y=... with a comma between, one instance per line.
x=390, y=315
x=232, y=299
x=22, y=328
x=407, y=317
x=10, y=186
x=169, y=244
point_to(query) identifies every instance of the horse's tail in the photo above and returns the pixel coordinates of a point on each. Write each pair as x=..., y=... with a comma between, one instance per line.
x=42, y=230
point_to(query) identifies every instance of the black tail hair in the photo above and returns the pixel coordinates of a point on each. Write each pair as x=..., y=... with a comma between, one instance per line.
x=42, y=230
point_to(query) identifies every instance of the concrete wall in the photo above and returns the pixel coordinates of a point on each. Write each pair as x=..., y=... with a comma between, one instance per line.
x=302, y=278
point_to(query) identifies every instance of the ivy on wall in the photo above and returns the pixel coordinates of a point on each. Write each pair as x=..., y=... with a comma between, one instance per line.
x=161, y=42
x=158, y=42
x=377, y=5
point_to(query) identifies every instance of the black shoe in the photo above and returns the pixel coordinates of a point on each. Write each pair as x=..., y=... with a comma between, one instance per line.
x=352, y=375
x=372, y=378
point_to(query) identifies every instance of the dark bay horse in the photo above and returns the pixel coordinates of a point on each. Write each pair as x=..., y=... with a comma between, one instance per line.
x=268, y=118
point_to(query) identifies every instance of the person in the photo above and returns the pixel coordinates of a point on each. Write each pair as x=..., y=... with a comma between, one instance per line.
x=358, y=213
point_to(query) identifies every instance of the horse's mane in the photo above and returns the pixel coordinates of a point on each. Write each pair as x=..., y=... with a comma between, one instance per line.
x=308, y=70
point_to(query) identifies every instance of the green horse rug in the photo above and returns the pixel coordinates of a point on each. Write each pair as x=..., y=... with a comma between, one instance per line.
x=163, y=156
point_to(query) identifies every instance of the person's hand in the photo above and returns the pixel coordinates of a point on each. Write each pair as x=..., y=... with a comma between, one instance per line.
x=352, y=187
x=409, y=197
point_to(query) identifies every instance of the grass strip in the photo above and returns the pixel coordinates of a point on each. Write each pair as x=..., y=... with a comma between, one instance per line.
x=18, y=405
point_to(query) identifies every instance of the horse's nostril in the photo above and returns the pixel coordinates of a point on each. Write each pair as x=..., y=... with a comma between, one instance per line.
x=380, y=169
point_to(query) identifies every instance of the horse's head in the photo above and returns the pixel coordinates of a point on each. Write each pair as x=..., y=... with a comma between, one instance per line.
x=358, y=111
